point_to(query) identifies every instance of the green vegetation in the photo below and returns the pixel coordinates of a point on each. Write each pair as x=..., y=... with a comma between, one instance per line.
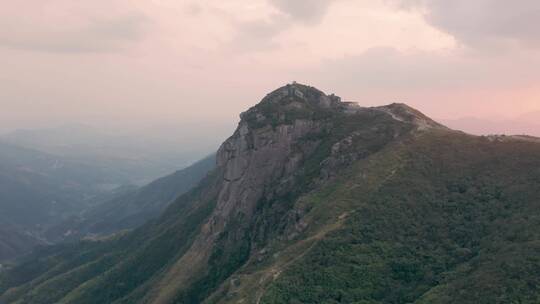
x=377, y=211
x=457, y=223
x=110, y=270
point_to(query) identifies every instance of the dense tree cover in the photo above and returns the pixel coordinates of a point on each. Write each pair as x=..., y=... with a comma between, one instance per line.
x=457, y=223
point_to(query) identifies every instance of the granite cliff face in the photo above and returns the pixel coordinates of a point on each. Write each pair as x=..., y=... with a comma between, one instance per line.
x=266, y=157
x=266, y=163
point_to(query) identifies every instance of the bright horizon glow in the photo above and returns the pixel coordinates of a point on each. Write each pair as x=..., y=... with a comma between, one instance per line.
x=137, y=64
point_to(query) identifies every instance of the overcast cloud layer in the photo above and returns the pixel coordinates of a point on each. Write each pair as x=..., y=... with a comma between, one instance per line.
x=142, y=63
x=483, y=23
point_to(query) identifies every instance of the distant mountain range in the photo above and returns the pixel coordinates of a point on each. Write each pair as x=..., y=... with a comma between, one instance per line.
x=315, y=200
x=131, y=207
x=135, y=159
x=525, y=124
x=73, y=181
x=38, y=190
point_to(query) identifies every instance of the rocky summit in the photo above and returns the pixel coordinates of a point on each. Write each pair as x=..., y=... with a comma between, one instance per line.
x=316, y=200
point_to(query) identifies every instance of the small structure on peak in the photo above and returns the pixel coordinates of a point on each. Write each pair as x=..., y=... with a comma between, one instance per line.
x=334, y=97
x=294, y=91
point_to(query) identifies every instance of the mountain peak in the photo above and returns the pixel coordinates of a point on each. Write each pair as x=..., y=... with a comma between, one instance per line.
x=300, y=93
x=299, y=101
x=405, y=113
x=291, y=102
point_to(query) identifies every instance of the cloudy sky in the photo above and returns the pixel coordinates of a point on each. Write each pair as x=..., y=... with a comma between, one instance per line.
x=141, y=63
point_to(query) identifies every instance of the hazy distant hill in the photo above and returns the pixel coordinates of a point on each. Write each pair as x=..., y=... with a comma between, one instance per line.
x=131, y=208
x=525, y=124
x=53, y=197
x=532, y=118
x=137, y=159
x=49, y=177
x=314, y=200
x=39, y=189
x=14, y=242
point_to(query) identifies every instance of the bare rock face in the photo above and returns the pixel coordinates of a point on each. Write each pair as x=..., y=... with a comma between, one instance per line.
x=253, y=159
x=258, y=161
x=268, y=147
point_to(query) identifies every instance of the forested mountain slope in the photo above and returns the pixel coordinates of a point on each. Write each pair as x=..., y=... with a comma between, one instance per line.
x=314, y=200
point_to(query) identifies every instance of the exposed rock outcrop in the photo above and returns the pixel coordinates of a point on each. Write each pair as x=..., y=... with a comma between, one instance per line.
x=265, y=160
